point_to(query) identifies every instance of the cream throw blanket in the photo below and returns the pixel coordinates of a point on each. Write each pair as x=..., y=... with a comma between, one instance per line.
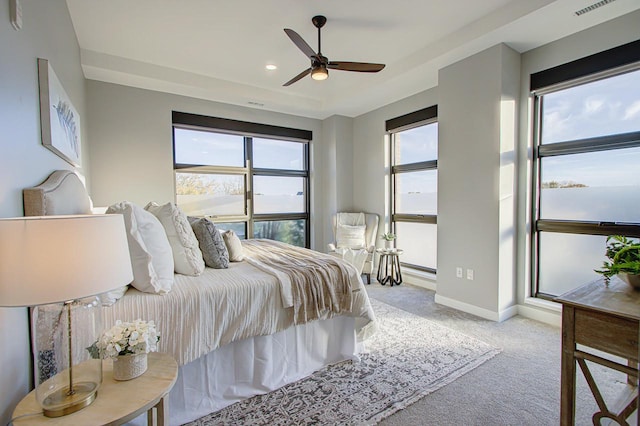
x=311, y=282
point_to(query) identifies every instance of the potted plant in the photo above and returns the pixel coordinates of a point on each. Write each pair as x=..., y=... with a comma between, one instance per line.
x=623, y=256
x=388, y=238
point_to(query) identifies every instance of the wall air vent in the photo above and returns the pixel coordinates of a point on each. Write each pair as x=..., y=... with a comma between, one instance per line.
x=592, y=7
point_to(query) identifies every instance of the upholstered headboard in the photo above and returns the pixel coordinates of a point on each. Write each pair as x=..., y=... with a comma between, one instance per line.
x=61, y=193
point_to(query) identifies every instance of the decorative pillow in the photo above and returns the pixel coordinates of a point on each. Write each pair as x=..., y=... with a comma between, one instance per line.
x=214, y=250
x=350, y=236
x=187, y=256
x=151, y=257
x=234, y=246
x=111, y=297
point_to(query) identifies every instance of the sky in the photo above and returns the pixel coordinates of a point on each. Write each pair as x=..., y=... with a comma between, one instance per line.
x=604, y=107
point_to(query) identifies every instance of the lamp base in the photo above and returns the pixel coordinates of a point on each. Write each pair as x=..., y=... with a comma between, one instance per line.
x=60, y=403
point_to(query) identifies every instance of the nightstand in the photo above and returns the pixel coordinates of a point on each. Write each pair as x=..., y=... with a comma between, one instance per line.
x=118, y=401
x=389, y=266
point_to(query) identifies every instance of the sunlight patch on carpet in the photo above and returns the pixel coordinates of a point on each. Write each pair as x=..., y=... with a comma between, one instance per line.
x=408, y=358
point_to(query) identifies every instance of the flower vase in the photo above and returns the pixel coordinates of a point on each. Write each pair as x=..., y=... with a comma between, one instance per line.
x=130, y=366
x=388, y=244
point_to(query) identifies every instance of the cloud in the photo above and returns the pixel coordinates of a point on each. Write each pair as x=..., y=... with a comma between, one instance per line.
x=632, y=111
x=592, y=105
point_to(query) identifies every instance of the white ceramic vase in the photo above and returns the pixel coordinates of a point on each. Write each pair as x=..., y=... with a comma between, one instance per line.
x=130, y=366
x=632, y=279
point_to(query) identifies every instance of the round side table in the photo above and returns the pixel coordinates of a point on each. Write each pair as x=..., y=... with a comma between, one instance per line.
x=117, y=402
x=389, y=266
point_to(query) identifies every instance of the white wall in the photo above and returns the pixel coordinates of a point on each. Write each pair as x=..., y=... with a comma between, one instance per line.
x=47, y=33
x=131, y=144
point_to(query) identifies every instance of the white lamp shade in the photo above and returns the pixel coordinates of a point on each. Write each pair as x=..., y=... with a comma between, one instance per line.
x=50, y=259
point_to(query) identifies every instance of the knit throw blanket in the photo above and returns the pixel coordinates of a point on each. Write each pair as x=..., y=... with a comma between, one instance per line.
x=311, y=282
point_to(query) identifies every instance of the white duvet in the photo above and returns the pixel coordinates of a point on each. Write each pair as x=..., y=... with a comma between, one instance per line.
x=221, y=306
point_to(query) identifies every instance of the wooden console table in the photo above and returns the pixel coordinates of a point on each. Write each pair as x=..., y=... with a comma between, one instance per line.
x=605, y=318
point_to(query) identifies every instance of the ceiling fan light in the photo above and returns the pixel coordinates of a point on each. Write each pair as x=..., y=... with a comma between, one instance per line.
x=319, y=73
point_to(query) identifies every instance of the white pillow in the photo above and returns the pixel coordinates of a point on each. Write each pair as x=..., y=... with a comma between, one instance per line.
x=111, y=297
x=187, y=257
x=234, y=246
x=151, y=257
x=350, y=236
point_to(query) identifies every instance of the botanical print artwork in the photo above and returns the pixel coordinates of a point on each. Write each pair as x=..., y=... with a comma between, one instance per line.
x=68, y=123
x=59, y=120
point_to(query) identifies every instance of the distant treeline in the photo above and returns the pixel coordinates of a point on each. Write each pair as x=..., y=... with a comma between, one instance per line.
x=565, y=184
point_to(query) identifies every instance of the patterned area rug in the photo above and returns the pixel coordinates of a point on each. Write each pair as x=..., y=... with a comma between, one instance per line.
x=408, y=358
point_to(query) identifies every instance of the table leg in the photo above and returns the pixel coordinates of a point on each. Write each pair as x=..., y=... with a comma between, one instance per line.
x=380, y=262
x=568, y=377
x=163, y=411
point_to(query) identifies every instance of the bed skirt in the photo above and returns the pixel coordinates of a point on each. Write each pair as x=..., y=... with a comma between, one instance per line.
x=256, y=366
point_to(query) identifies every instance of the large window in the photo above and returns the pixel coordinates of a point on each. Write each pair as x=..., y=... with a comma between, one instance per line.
x=587, y=173
x=256, y=185
x=414, y=186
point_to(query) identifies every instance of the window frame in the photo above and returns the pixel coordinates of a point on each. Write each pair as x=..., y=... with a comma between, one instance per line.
x=396, y=125
x=607, y=64
x=248, y=131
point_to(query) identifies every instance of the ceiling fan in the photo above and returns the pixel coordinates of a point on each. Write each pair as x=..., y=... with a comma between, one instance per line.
x=320, y=65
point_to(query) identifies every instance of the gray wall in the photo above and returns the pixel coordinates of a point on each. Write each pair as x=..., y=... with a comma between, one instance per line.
x=593, y=40
x=131, y=144
x=476, y=221
x=371, y=154
x=47, y=33
x=483, y=176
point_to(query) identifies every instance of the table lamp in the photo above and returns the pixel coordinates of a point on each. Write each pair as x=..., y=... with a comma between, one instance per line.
x=54, y=263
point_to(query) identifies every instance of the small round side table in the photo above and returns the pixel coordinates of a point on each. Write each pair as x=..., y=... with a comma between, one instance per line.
x=389, y=266
x=117, y=402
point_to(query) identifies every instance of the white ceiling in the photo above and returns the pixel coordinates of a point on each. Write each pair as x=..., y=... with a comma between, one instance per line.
x=218, y=49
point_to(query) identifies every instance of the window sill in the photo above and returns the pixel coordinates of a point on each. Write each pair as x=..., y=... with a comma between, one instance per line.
x=542, y=303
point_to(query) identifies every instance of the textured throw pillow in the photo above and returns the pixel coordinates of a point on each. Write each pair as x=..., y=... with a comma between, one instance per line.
x=234, y=246
x=151, y=257
x=214, y=250
x=350, y=236
x=187, y=256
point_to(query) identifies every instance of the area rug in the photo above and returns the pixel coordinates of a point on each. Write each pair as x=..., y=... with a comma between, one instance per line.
x=408, y=358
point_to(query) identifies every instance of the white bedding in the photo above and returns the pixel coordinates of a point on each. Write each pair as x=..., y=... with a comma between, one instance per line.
x=221, y=306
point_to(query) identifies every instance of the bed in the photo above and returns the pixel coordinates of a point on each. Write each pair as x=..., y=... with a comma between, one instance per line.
x=234, y=332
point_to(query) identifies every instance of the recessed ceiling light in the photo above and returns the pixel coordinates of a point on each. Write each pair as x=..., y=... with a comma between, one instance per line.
x=271, y=67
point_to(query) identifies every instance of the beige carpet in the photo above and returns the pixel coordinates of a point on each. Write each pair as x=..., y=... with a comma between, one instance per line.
x=407, y=359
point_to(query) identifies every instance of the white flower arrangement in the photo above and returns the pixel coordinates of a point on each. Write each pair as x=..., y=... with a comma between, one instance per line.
x=124, y=338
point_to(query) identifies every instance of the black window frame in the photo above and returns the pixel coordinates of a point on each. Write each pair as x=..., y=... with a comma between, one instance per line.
x=409, y=121
x=248, y=131
x=606, y=64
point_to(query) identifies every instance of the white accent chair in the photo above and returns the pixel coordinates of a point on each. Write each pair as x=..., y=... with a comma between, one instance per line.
x=352, y=245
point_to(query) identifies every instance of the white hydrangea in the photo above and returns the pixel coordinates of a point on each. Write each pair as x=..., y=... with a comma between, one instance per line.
x=123, y=338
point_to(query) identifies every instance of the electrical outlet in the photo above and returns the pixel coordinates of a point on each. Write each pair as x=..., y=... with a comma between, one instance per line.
x=470, y=274
x=458, y=272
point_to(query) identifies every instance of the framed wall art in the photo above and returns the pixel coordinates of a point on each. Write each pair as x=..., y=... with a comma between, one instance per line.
x=59, y=120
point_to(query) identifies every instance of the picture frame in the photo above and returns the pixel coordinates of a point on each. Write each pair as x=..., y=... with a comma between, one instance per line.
x=59, y=120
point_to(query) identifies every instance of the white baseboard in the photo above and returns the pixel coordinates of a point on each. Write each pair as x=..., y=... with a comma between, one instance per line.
x=542, y=315
x=466, y=307
x=551, y=317
x=419, y=279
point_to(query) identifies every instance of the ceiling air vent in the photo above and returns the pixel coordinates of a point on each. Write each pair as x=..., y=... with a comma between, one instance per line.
x=592, y=7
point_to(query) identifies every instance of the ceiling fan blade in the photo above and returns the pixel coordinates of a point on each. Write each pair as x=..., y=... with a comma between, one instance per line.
x=355, y=66
x=298, y=77
x=299, y=41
